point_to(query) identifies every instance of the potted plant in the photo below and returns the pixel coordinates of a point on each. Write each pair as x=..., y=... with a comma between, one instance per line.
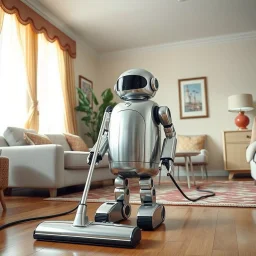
x=93, y=119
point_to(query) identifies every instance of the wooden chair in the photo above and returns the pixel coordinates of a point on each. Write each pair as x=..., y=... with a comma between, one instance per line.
x=4, y=171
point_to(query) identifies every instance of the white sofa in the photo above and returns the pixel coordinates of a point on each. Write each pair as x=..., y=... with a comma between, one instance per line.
x=251, y=151
x=50, y=166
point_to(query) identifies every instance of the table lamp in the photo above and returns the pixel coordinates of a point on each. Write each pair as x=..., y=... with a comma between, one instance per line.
x=240, y=103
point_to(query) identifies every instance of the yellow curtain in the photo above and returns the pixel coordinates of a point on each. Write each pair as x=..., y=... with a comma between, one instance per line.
x=29, y=42
x=1, y=18
x=66, y=66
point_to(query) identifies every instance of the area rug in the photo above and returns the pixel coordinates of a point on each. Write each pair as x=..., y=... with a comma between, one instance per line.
x=228, y=193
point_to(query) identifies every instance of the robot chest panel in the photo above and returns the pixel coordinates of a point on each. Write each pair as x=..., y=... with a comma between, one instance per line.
x=132, y=135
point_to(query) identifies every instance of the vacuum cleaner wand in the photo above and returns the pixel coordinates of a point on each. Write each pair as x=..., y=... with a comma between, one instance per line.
x=81, y=230
x=81, y=218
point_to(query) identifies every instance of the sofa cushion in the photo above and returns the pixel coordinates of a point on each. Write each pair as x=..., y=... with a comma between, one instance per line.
x=36, y=139
x=15, y=136
x=3, y=142
x=59, y=139
x=190, y=143
x=78, y=160
x=76, y=143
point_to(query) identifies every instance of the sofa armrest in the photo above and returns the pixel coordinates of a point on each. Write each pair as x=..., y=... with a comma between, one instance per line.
x=40, y=166
x=251, y=151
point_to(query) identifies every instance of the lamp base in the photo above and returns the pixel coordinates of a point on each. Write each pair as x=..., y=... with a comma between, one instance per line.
x=242, y=121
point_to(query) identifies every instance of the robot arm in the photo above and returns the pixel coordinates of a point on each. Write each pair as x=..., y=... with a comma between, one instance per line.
x=169, y=143
x=104, y=140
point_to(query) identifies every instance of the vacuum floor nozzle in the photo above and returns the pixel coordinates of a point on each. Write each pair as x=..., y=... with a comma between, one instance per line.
x=94, y=233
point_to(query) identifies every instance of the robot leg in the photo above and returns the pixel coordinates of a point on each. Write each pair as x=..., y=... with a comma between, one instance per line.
x=150, y=214
x=119, y=209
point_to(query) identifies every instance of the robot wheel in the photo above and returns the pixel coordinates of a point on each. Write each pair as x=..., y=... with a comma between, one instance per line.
x=113, y=212
x=126, y=211
x=153, y=221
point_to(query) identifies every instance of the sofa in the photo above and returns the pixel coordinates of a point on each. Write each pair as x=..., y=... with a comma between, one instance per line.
x=50, y=166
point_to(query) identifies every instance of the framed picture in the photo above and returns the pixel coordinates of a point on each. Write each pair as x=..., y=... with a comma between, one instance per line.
x=85, y=85
x=193, y=97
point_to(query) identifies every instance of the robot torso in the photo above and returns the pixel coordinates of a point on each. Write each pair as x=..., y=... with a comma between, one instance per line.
x=134, y=139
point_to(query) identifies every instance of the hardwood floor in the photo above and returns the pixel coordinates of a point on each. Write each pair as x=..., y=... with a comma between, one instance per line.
x=186, y=231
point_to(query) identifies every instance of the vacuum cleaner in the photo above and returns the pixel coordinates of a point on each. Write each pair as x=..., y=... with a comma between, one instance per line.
x=83, y=231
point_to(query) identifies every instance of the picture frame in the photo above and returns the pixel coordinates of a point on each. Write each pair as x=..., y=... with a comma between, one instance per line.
x=85, y=84
x=193, y=101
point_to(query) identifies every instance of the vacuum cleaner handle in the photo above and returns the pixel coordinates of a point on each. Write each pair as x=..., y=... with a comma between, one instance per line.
x=81, y=218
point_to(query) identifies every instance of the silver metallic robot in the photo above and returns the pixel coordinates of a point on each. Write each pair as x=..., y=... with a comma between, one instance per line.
x=132, y=140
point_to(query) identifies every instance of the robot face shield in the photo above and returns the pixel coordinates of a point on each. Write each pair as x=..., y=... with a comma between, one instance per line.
x=136, y=87
x=131, y=82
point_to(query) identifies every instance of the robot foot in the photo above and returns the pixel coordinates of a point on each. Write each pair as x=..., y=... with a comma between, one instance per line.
x=113, y=212
x=150, y=216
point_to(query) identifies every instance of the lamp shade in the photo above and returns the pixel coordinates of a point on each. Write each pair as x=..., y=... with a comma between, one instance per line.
x=240, y=103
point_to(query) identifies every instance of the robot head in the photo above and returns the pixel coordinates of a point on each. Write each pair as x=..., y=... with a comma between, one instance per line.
x=136, y=84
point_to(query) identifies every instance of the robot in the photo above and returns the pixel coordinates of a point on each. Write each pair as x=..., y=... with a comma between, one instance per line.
x=133, y=141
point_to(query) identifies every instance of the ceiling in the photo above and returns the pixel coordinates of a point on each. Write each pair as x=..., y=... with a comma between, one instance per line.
x=112, y=25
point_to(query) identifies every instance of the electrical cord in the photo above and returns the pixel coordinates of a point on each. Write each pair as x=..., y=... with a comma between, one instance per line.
x=36, y=218
x=191, y=199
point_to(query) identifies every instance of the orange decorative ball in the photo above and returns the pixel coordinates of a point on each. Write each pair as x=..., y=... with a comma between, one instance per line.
x=242, y=121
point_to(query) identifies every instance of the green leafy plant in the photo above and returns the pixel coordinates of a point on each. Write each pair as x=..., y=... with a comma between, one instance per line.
x=93, y=119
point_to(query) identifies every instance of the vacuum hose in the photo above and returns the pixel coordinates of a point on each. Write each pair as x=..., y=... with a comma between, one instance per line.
x=191, y=199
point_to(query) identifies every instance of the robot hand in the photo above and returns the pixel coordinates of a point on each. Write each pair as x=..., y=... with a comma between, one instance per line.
x=168, y=163
x=89, y=158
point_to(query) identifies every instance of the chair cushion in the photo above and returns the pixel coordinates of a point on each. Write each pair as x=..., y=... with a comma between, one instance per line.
x=76, y=143
x=15, y=136
x=190, y=143
x=36, y=139
x=202, y=158
x=78, y=160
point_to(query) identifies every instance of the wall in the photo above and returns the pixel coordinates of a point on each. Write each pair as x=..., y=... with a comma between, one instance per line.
x=85, y=64
x=230, y=68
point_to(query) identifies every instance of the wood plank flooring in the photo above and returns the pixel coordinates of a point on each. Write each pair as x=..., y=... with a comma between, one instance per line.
x=215, y=231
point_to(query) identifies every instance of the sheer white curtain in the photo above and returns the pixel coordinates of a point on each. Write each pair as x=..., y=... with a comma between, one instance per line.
x=49, y=91
x=13, y=77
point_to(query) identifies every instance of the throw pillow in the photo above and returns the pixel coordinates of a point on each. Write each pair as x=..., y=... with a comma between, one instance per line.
x=190, y=143
x=253, y=137
x=14, y=136
x=36, y=139
x=76, y=143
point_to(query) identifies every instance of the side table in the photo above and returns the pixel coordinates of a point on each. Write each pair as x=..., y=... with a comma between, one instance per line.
x=234, y=151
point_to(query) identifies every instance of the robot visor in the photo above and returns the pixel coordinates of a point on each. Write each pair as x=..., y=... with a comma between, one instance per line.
x=131, y=82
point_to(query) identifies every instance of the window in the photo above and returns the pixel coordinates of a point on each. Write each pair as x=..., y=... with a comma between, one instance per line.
x=49, y=91
x=14, y=98
x=13, y=77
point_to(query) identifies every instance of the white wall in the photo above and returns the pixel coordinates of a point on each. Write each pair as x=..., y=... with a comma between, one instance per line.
x=230, y=68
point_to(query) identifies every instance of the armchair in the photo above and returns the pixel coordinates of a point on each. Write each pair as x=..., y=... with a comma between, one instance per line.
x=187, y=143
x=251, y=152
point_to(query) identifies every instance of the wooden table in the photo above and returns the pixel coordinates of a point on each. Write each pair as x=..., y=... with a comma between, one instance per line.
x=188, y=164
